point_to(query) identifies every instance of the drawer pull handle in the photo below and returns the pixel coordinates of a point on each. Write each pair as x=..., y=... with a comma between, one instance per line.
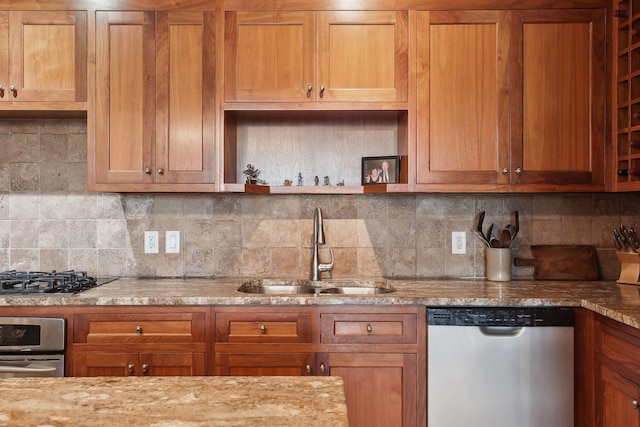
x=635, y=404
x=308, y=369
x=369, y=329
x=138, y=329
x=145, y=368
x=130, y=368
x=263, y=329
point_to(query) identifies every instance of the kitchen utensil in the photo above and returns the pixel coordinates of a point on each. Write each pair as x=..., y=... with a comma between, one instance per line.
x=505, y=237
x=562, y=262
x=481, y=236
x=516, y=216
x=495, y=242
x=479, y=232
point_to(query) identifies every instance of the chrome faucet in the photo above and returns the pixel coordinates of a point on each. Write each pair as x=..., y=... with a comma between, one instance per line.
x=318, y=240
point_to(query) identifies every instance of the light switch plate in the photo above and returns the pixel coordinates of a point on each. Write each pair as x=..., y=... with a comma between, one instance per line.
x=172, y=242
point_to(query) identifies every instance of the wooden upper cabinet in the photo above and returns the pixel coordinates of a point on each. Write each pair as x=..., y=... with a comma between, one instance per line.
x=558, y=97
x=155, y=100
x=316, y=56
x=463, y=98
x=43, y=56
x=511, y=97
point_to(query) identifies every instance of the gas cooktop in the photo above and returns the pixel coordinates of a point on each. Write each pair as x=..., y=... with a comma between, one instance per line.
x=46, y=283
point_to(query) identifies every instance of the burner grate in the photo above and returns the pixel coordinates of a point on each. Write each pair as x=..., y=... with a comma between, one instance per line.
x=40, y=282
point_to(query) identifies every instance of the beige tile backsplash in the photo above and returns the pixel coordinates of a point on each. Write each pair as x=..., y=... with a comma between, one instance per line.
x=49, y=221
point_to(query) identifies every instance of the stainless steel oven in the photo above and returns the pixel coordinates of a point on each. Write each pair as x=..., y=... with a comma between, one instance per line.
x=32, y=347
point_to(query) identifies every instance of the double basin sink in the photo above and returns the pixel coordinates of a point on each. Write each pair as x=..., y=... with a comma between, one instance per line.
x=323, y=287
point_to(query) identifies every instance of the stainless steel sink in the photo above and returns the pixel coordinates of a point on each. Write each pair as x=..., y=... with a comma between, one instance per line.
x=330, y=287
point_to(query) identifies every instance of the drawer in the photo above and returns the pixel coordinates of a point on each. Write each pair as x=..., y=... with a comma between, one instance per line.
x=118, y=328
x=619, y=346
x=263, y=327
x=368, y=328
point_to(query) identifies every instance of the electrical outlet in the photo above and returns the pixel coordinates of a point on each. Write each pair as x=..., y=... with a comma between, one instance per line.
x=150, y=242
x=458, y=242
x=172, y=242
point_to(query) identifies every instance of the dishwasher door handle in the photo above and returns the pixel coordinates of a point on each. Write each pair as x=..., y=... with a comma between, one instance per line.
x=510, y=331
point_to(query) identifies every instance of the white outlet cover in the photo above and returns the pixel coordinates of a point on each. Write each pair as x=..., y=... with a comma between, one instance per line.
x=458, y=242
x=151, y=243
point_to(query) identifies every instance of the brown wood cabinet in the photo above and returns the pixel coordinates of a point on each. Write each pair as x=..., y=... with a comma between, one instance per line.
x=617, y=376
x=305, y=56
x=43, y=58
x=511, y=100
x=155, y=102
x=129, y=341
x=378, y=352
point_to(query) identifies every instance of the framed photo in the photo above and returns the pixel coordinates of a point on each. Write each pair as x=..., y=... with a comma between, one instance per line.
x=380, y=170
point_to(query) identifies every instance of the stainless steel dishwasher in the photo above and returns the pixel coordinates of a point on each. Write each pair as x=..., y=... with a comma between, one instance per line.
x=500, y=367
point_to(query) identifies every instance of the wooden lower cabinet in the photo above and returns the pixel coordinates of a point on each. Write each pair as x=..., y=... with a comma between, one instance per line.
x=136, y=364
x=378, y=352
x=617, y=374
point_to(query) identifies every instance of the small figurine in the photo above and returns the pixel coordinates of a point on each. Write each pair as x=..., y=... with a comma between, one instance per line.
x=299, y=179
x=326, y=180
x=316, y=180
x=287, y=183
x=252, y=175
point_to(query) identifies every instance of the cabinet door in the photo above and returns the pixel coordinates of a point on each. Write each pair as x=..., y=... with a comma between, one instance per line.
x=363, y=56
x=105, y=364
x=381, y=389
x=47, y=56
x=185, y=96
x=558, y=85
x=265, y=364
x=269, y=56
x=463, y=98
x=619, y=400
x=124, y=116
x=172, y=364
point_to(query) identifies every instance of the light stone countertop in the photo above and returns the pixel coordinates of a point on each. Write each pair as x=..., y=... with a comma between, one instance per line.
x=174, y=401
x=616, y=301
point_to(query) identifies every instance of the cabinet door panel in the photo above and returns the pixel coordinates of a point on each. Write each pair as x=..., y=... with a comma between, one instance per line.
x=172, y=364
x=269, y=56
x=104, y=364
x=261, y=364
x=363, y=56
x=185, y=96
x=47, y=56
x=4, y=54
x=558, y=132
x=125, y=50
x=618, y=395
x=463, y=99
x=380, y=388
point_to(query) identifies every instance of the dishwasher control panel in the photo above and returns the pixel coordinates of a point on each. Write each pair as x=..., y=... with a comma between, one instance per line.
x=500, y=316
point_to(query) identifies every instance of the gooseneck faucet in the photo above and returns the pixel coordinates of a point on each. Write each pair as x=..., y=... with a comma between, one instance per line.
x=318, y=240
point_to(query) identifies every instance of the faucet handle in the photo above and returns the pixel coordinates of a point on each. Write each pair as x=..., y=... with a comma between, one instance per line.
x=327, y=267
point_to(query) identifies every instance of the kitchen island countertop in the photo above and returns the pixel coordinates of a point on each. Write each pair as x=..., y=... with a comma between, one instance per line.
x=613, y=300
x=174, y=401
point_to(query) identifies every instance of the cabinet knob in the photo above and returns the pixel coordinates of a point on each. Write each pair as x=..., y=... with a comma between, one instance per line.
x=309, y=89
x=145, y=368
x=518, y=171
x=263, y=329
x=307, y=369
x=138, y=329
x=160, y=171
x=130, y=368
x=1, y=91
x=505, y=171
x=635, y=404
x=369, y=329
x=13, y=89
x=323, y=368
x=321, y=91
x=147, y=171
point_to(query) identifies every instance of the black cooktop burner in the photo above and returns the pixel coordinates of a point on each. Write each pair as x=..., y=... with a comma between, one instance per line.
x=39, y=282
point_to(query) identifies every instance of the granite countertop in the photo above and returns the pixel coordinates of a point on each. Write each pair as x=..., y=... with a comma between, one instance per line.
x=616, y=301
x=174, y=401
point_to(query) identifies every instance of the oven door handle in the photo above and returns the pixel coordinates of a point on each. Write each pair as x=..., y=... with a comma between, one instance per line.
x=22, y=366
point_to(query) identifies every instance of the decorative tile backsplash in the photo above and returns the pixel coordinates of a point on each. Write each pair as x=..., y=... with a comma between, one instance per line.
x=49, y=221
